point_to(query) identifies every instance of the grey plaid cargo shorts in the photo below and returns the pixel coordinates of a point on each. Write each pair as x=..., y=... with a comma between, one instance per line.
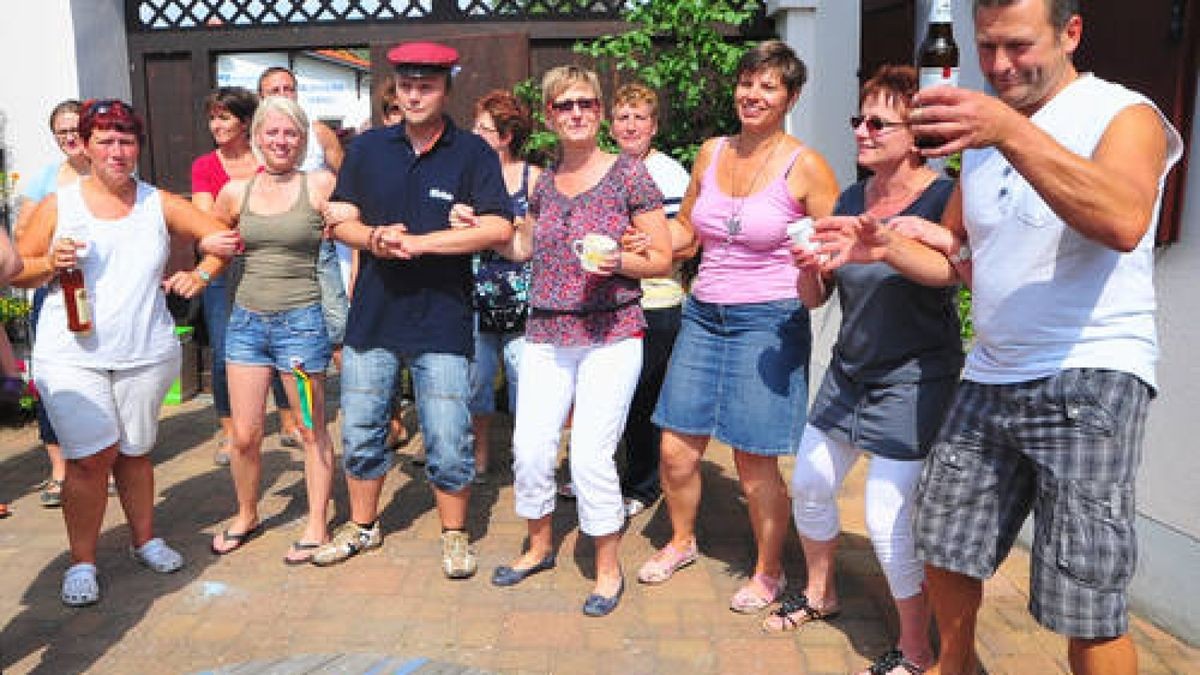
x=1068, y=447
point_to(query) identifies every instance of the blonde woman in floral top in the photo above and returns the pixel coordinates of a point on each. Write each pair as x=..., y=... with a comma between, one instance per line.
x=583, y=335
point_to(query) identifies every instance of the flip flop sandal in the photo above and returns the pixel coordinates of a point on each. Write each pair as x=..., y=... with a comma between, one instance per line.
x=892, y=660
x=748, y=599
x=669, y=560
x=794, y=612
x=304, y=548
x=80, y=587
x=51, y=493
x=238, y=539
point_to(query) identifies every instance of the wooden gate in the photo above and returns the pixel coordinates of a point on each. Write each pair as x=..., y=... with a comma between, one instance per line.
x=173, y=45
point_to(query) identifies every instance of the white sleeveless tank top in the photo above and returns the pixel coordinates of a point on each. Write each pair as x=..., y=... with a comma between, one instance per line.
x=122, y=268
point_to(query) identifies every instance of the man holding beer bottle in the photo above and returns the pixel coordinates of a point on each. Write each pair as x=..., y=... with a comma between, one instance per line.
x=1054, y=219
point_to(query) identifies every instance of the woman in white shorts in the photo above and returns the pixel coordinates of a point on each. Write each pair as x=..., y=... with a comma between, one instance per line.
x=103, y=388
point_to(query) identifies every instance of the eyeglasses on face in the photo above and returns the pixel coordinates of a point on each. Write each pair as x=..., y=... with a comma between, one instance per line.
x=64, y=134
x=875, y=123
x=584, y=105
x=481, y=128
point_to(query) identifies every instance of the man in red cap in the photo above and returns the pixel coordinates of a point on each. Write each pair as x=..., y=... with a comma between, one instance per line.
x=412, y=300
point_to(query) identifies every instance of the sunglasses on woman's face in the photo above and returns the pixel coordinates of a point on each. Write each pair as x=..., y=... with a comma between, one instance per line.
x=584, y=105
x=875, y=123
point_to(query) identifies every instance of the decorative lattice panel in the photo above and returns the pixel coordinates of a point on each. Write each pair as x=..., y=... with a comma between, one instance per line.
x=152, y=15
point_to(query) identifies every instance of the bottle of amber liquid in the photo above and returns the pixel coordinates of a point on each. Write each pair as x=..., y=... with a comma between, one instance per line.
x=938, y=57
x=75, y=298
x=937, y=61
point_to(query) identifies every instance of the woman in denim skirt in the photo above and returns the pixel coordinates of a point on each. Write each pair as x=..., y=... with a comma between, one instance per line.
x=739, y=370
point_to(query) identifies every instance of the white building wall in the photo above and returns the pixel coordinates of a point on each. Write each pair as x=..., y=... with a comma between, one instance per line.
x=37, y=44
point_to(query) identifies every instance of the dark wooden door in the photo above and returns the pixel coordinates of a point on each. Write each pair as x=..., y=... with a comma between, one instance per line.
x=888, y=35
x=1150, y=46
x=170, y=120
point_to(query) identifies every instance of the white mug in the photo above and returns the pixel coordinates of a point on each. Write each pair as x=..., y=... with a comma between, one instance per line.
x=801, y=232
x=593, y=250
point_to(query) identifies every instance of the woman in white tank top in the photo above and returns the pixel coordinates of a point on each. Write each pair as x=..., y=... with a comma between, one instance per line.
x=103, y=388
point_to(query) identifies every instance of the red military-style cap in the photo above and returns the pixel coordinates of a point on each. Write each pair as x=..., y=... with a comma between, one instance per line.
x=423, y=59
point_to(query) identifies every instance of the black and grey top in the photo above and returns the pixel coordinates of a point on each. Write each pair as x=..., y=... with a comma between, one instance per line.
x=898, y=352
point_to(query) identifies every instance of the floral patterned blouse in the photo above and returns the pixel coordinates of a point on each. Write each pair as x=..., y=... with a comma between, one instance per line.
x=570, y=307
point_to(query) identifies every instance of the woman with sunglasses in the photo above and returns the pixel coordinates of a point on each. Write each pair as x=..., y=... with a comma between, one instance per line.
x=103, y=387
x=501, y=295
x=277, y=327
x=891, y=376
x=64, y=124
x=739, y=370
x=583, y=335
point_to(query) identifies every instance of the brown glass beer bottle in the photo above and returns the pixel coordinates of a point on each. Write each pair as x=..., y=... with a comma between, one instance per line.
x=75, y=298
x=937, y=60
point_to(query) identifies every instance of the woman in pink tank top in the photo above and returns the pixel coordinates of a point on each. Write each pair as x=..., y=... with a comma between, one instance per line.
x=739, y=370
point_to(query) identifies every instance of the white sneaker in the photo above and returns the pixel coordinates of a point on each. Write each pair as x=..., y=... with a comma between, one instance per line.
x=80, y=587
x=159, y=557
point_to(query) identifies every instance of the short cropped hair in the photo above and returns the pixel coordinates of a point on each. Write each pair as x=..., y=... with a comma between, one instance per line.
x=286, y=107
x=636, y=93
x=1059, y=11
x=896, y=85
x=509, y=115
x=561, y=78
x=68, y=106
x=775, y=55
x=239, y=101
x=272, y=71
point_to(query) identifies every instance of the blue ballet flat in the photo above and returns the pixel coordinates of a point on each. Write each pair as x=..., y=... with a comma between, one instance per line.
x=505, y=575
x=598, y=605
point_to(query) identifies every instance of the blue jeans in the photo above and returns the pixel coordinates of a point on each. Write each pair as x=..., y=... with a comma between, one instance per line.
x=215, y=304
x=334, y=301
x=441, y=383
x=490, y=349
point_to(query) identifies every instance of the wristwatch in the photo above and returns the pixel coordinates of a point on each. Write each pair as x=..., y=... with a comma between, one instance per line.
x=962, y=255
x=204, y=276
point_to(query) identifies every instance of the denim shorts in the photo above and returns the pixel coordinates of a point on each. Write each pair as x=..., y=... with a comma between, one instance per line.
x=739, y=373
x=1066, y=447
x=279, y=339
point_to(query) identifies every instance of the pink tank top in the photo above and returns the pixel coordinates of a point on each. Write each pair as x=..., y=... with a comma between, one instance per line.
x=751, y=261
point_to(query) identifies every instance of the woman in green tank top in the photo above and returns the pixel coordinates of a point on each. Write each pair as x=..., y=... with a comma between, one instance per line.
x=276, y=320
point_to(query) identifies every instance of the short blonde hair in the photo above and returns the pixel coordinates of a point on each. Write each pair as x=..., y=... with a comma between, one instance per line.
x=636, y=93
x=286, y=107
x=561, y=78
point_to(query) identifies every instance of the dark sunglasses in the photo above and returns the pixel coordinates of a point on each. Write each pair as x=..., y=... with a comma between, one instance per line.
x=875, y=123
x=584, y=104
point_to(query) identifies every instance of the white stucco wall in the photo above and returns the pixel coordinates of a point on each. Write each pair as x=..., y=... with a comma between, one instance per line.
x=38, y=50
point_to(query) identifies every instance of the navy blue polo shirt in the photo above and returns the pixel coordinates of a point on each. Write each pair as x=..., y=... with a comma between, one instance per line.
x=420, y=305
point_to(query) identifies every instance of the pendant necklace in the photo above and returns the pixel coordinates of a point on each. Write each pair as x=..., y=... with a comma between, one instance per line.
x=733, y=224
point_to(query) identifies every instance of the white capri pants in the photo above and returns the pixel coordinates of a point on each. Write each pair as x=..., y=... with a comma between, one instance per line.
x=92, y=408
x=821, y=467
x=600, y=380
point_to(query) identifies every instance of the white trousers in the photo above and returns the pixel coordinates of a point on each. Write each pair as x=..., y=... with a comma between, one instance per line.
x=600, y=381
x=821, y=466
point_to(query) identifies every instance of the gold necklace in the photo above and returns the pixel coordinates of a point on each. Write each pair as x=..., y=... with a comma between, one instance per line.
x=733, y=224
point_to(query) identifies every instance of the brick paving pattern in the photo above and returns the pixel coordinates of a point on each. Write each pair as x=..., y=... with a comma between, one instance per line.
x=392, y=605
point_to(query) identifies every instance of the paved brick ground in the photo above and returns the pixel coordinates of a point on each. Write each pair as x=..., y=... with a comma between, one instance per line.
x=249, y=607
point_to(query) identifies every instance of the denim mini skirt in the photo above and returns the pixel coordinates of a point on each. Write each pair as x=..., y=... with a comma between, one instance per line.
x=739, y=373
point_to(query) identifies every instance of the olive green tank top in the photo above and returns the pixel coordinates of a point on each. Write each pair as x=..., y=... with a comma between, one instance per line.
x=280, y=260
